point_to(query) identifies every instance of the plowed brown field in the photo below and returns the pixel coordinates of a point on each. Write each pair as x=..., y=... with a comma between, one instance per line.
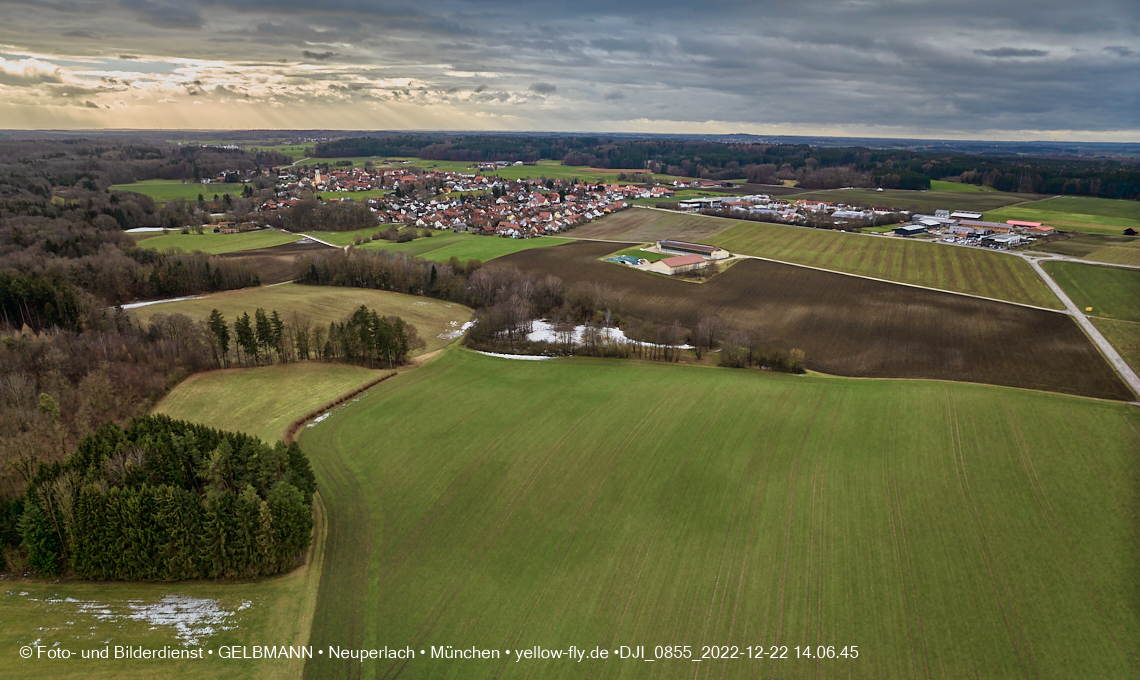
x=857, y=327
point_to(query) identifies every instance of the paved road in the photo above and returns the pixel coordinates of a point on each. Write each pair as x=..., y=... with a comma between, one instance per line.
x=1105, y=347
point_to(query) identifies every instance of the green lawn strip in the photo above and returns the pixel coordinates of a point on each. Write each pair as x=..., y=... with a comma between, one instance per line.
x=1118, y=249
x=443, y=245
x=344, y=238
x=1064, y=221
x=1087, y=205
x=215, y=244
x=705, y=506
x=163, y=190
x=1112, y=292
x=322, y=304
x=966, y=270
x=937, y=185
x=1124, y=336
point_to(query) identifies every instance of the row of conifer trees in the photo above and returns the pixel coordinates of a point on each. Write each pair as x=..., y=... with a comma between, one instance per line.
x=168, y=500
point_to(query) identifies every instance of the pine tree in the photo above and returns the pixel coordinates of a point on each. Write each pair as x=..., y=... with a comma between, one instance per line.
x=221, y=331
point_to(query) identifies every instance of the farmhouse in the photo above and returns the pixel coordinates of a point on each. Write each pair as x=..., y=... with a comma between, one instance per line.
x=1041, y=230
x=677, y=265
x=685, y=248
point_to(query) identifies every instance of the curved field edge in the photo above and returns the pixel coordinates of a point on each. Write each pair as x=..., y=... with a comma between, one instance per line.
x=949, y=530
x=322, y=304
x=854, y=326
x=261, y=401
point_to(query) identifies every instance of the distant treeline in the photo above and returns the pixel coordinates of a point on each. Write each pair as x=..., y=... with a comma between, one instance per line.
x=166, y=500
x=812, y=168
x=62, y=272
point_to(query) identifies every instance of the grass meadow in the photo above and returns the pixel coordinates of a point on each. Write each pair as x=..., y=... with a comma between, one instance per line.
x=322, y=304
x=163, y=190
x=215, y=244
x=1075, y=213
x=1098, y=248
x=963, y=270
x=1112, y=292
x=947, y=530
x=262, y=401
x=1124, y=336
x=958, y=187
x=443, y=245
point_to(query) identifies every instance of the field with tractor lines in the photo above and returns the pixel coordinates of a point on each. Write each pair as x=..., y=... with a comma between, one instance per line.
x=946, y=530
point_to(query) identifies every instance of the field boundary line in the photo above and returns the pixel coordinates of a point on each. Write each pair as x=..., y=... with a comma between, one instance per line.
x=295, y=426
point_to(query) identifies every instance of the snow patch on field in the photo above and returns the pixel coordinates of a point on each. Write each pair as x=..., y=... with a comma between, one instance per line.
x=193, y=619
x=520, y=357
x=544, y=331
x=456, y=331
x=319, y=419
x=135, y=305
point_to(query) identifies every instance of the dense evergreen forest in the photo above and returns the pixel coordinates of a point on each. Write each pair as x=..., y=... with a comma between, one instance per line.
x=812, y=167
x=166, y=500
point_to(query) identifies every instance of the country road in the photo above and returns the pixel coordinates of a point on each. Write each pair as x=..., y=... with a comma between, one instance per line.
x=1126, y=373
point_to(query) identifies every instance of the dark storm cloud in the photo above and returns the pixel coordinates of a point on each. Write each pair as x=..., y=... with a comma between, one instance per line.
x=542, y=88
x=176, y=15
x=318, y=56
x=1005, y=52
x=1120, y=50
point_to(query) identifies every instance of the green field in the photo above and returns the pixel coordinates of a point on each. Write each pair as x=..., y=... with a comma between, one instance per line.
x=1097, y=248
x=964, y=270
x=1124, y=336
x=322, y=304
x=1075, y=213
x=1112, y=292
x=262, y=401
x=215, y=244
x=344, y=238
x=86, y=615
x=163, y=190
x=958, y=187
x=443, y=245
x=947, y=530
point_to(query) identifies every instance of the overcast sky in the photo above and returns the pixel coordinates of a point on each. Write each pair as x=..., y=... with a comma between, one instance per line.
x=972, y=69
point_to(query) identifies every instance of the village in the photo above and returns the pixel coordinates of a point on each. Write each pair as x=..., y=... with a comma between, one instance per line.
x=462, y=202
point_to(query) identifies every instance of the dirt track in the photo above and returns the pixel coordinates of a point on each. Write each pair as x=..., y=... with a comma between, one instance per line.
x=857, y=327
